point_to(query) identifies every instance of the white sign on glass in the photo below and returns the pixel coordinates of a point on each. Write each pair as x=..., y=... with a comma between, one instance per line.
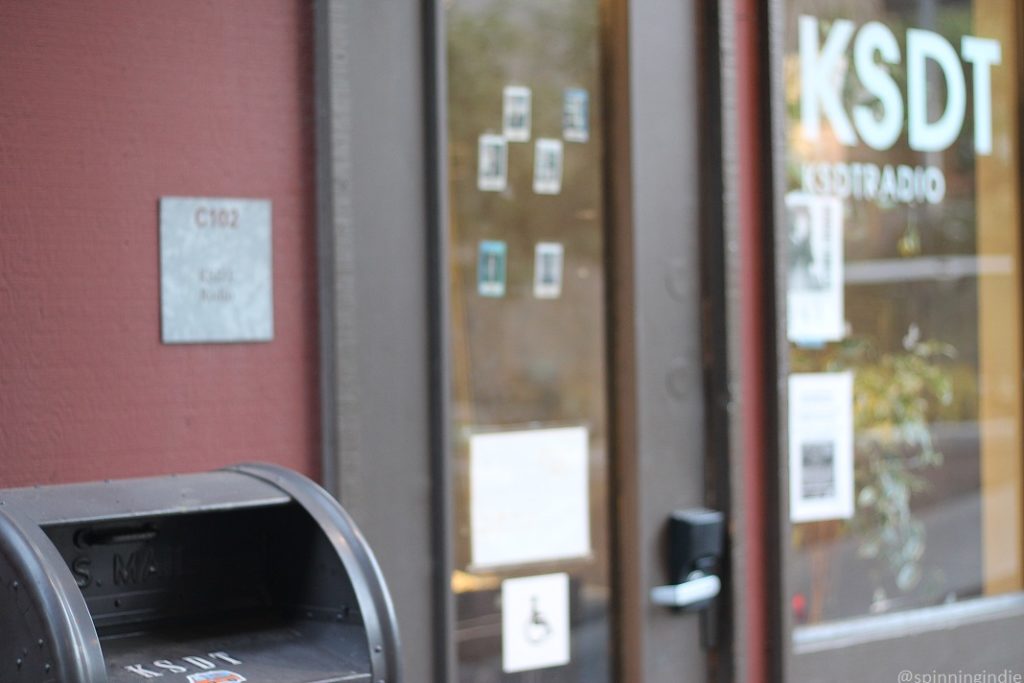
x=821, y=478
x=529, y=496
x=535, y=622
x=814, y=301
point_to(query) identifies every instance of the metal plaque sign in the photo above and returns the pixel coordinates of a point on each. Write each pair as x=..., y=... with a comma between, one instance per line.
x=216, y=280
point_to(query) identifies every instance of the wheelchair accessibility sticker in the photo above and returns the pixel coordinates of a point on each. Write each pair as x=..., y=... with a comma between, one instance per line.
x=217, y=677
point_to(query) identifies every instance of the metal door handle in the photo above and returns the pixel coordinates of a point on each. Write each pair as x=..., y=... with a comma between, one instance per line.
x=694, y=593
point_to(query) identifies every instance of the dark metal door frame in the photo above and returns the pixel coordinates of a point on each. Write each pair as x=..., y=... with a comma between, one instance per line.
x=668, y=272
x=376, y=222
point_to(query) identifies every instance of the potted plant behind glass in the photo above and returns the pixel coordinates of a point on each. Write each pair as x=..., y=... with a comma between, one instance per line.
x=897, y=394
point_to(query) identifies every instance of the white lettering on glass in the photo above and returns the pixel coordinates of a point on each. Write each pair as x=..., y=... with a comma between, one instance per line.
x=878, y=133
x=823, y=71
x=983, y=53
x=927, y=136
x=822, y=74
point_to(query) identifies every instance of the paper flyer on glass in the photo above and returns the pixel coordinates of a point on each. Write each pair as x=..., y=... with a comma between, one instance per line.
x=529, y=496
x=814, y=300
x=821, y=446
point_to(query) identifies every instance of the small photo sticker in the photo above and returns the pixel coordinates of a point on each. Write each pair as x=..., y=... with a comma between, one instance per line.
x=492, y=163
x=547, y=166
x=516, y=112
x=491, y=268
x=547, y=270
x=576, y=115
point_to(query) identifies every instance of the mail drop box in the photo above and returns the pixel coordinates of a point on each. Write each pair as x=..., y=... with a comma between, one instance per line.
x=253, y=573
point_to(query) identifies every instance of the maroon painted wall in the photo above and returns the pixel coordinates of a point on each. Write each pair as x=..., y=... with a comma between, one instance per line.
x=105, y=107
x=760, y=631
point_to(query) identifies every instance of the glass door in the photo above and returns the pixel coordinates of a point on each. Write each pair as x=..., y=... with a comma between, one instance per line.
x=529, y=411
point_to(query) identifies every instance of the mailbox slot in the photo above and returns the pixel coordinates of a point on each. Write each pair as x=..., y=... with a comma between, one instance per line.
x=230, y=583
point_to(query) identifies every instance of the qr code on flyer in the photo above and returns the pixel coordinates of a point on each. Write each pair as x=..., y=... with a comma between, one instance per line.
x=818, y=464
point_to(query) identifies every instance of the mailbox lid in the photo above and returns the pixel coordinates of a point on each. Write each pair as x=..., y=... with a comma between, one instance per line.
x=147, y=497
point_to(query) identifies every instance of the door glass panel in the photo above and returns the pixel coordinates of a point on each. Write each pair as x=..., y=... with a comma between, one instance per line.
x=903, y=304
x=529, y=401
